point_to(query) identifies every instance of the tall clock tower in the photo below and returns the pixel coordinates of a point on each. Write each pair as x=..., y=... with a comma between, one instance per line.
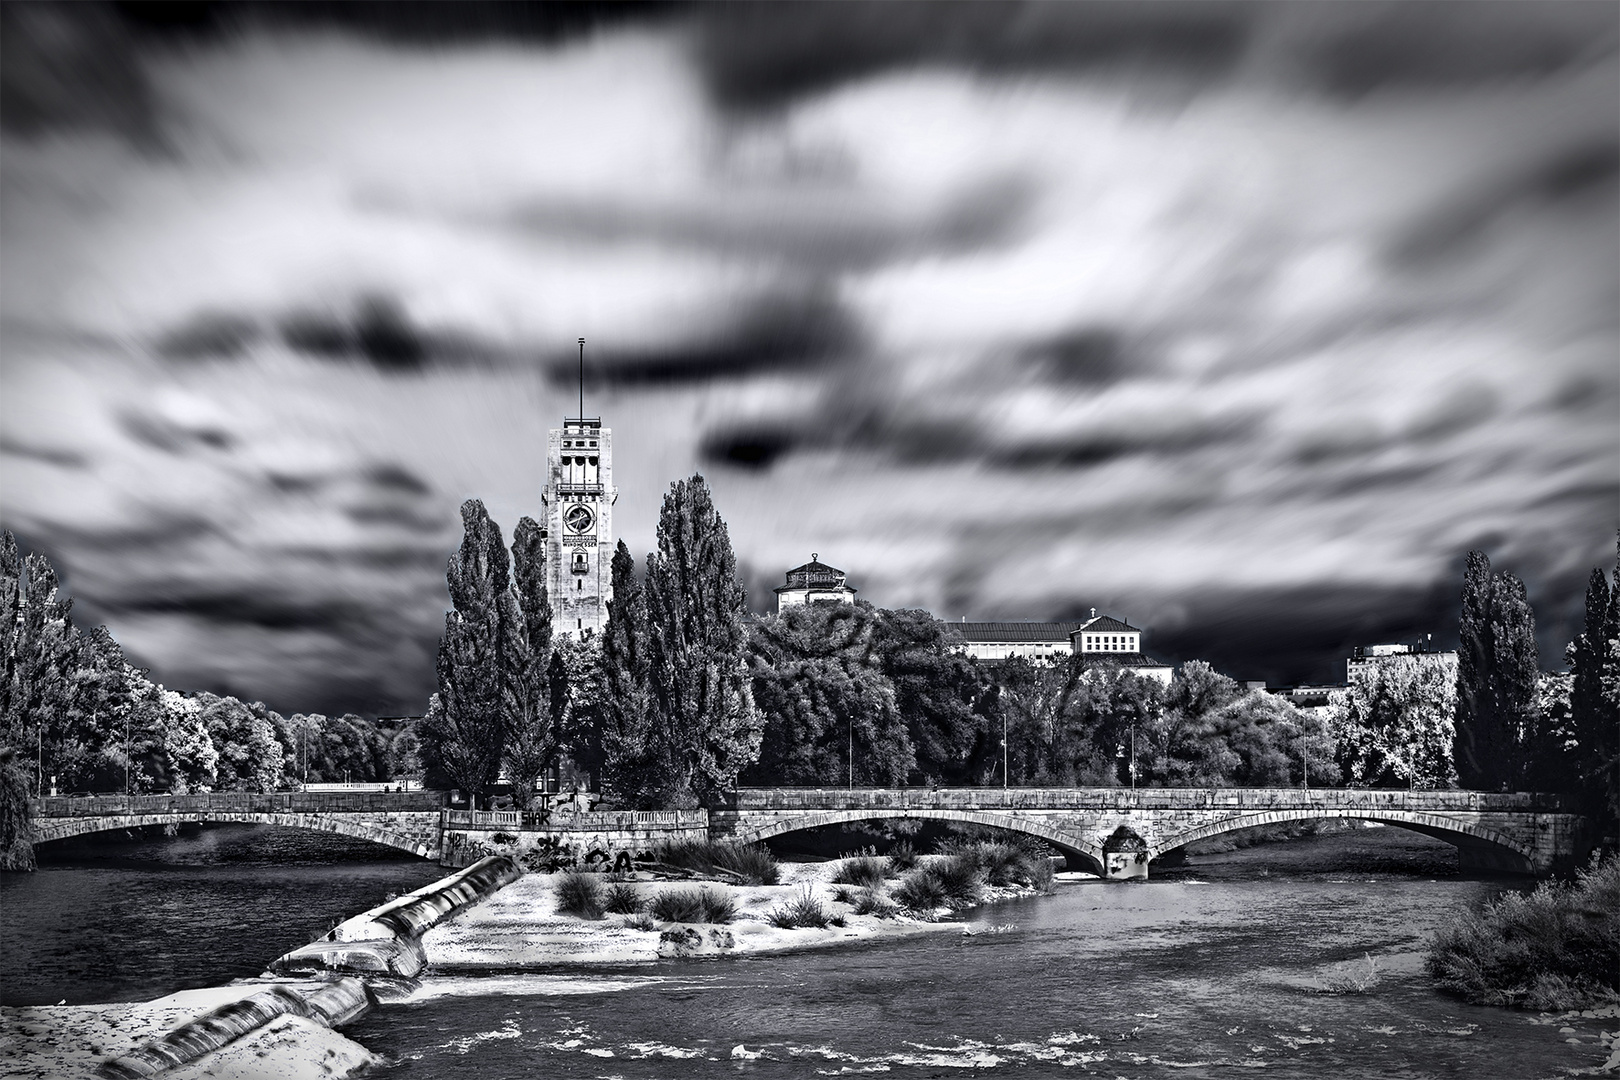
x=578, y=500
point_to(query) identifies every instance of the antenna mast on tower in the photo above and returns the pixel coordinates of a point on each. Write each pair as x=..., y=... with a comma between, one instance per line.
x=582, y=378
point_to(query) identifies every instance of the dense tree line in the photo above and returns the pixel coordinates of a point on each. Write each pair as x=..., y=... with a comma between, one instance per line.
x=1520, y=728
x=78, y=717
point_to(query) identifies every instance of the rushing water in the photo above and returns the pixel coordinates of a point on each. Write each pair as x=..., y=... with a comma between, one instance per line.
x=106, y=919
x=1215, y=969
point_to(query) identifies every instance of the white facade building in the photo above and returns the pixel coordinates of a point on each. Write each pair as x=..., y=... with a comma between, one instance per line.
x=1365, y=659
x=1101, y=637
x=814, y=583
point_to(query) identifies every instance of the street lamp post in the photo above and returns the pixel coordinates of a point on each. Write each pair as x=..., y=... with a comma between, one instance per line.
x=1133, y=756
x=1003, y=749
x=852, y=752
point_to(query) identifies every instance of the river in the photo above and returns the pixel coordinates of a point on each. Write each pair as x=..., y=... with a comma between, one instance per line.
x=1214, y=969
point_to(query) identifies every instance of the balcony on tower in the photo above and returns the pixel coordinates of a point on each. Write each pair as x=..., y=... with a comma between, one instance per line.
x=580, y=453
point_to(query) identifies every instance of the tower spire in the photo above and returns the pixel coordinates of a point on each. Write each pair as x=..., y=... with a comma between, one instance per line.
x=582, y=378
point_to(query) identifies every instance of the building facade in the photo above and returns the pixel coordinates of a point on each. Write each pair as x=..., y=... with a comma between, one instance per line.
x=814, y=583
x=1005, y=640
x=578, y=506
x=1365, y=659
x=1100, y=637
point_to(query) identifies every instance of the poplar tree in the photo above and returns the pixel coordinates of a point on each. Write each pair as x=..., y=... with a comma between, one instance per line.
x=533, y=703
x=1594, y=658
x=634, y=753
x=1497, y=675
x=464, y=732
x=697, y=653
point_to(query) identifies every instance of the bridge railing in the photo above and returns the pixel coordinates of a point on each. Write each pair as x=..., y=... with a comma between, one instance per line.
x=592, y=821
x=1142, y=798
x=243, y=802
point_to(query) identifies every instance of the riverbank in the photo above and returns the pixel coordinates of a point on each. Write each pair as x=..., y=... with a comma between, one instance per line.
x=70, y=1042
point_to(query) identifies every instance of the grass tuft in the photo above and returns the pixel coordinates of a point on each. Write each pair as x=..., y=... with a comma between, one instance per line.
x=872, y=902
x=640, y=921
x=920, y=891
x=693, y=906
x=863, y=871
x=902, y=857
x=803, y=911
x=623, y=899
x=751, y=864
x=581, y=895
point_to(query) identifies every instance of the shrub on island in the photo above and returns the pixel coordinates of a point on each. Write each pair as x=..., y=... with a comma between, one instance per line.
x=802, y=912
x=749, y=864
x=1552, y=950
x=623, y=899
x=693, y=906
x=581, y=895
x=863, y=871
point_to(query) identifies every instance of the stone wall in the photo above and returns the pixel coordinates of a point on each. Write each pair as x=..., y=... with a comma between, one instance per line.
x=578, y=840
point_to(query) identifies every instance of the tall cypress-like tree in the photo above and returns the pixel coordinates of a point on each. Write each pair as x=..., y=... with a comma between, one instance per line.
x=698, y=649
x=1496, y=678
x=1595, y=698
x=533, y=702
x=633, y=754
x=464, y=732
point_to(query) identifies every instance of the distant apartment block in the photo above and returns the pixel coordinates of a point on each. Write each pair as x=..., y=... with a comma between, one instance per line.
x=1100, y=637
x=1366, y=659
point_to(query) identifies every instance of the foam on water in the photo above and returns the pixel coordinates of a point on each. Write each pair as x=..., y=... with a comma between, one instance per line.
x=535, y=985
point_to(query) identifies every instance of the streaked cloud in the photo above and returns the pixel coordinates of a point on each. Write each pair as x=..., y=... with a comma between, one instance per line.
x=1245, y=321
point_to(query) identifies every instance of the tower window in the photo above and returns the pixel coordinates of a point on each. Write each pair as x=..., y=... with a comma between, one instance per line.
x=582, y=563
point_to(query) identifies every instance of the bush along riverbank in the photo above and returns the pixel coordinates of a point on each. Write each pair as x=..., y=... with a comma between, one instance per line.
x=1555, y=949
x=699, y=899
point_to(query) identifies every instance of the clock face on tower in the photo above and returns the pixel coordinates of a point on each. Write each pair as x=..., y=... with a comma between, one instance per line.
x=579, y=519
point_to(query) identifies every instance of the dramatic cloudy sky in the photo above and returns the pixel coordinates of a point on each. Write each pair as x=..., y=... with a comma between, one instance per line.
x=1244, y=322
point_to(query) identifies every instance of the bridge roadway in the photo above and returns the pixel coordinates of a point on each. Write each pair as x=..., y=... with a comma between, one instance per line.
x=1111, y=831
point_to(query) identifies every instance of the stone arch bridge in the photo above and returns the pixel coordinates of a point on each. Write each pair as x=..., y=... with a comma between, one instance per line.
x=409, y=821
x=1118, y=832
x=1108, y=831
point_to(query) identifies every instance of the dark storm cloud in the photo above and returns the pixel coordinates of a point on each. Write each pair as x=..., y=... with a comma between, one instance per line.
x=1297, y=634
x=765, y=55
x=776, y=332
x=1573, y=173
x=1437, y=43
x=73, y=67
x=372, y=329
x=252, y=608
x=173, y=436
x=1084, y=356
x=51, y=455
x=817, y=228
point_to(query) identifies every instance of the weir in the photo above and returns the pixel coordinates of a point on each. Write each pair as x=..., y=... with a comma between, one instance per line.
x=1114, y=832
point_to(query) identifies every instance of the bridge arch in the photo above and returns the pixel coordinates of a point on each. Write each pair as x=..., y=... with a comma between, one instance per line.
x=1476, y=844
x=1077, y=852
x=353, y=826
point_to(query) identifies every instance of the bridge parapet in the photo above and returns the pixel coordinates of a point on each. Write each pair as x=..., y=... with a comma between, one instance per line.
x=759, y=799
x=241, y=802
